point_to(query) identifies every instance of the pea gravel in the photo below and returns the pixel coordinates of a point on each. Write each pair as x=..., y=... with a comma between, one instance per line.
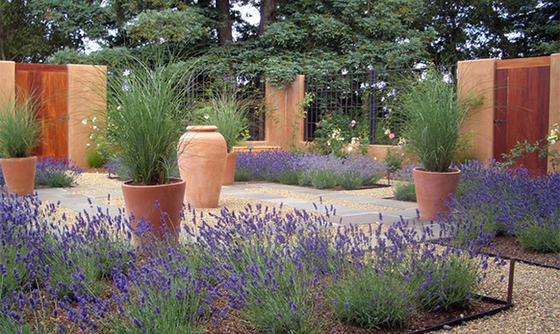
x=536, y=289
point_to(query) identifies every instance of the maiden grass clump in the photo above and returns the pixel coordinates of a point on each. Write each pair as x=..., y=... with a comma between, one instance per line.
x=19, y=128
x=434, y=116
x=147, y=113
x=274, y=271
x=319, y=171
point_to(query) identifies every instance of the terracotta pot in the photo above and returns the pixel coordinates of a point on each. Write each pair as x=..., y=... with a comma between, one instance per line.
x=229, y=174
x=19, y=174
x=433, y=190
x=164, y=217
x=202, y=159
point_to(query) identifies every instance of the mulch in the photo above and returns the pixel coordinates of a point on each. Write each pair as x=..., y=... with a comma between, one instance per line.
x=510, y=247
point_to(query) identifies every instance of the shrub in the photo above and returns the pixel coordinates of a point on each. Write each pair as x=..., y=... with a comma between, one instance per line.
x=94, y=159
x=405, y=191
x=540, y=234
x=371, y=299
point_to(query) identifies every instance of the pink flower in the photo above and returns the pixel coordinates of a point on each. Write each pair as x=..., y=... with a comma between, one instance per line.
x=392, y=135
x=353, y=123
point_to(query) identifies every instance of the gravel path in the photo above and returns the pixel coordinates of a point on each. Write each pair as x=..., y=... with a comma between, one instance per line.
x=536, y=289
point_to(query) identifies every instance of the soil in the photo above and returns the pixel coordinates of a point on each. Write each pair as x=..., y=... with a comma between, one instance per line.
x=509, y=247
x=419, y=321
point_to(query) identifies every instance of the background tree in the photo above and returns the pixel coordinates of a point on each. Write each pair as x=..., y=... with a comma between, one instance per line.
x=292, y=37
x=32, y=30
x=470, y=29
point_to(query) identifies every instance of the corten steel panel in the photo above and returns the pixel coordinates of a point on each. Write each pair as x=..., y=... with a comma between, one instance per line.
x=521, y=110
x=48, y=85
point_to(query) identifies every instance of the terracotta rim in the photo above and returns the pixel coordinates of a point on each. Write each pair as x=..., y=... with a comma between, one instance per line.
x=202, y=128
x=172, y=181
x=449, y=171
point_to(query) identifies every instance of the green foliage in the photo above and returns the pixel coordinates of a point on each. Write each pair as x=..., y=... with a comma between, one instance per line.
x=336, y=130
x=405, y=191
x=370, y=299
x=94, y=159
x=540, y=235
x=228, y=110
x=145, y=118
x=31, y=31
x=394, y=160
x=19, y=128
x=524, y=149
x=434, y=117
x=459, y=27
x=320, y=178
x=445, y=284
x=169, y=25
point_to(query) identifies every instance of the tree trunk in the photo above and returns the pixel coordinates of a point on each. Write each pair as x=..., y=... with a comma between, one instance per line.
x=268, y=10
x=225, y=29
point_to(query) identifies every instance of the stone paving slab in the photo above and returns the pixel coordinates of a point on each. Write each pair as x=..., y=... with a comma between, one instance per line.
x=344, y=214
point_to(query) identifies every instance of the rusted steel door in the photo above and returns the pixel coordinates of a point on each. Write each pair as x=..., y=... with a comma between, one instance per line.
x=48, y=85
x=521, y=108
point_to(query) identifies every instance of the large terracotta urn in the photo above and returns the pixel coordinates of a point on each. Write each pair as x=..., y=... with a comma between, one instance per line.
x=433, y=190
x=158, y=206
x=202, y=158
x=19, y=174
x=229, y=173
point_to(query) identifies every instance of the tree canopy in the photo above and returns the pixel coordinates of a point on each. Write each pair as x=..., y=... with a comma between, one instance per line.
x=292, y=36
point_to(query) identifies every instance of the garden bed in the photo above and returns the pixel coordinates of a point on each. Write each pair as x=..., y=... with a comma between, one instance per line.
x=420, y=322
x=510, y=247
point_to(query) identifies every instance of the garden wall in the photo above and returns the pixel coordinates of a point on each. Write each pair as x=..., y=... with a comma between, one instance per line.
x=67, y=95
x=521, y=101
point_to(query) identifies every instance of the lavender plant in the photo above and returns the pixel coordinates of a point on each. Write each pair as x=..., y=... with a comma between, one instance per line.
x=405, y=191
x=163, y=295
x=371, y=299
x=319, y=171
x=275, y=269
x=493, y=201
x=56, y=173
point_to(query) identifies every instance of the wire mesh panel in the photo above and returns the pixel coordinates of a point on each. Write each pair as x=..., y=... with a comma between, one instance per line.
x=358, y=104
x=248, y=90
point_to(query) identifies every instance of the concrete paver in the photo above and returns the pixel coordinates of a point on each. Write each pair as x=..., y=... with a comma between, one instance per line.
x=343, y=214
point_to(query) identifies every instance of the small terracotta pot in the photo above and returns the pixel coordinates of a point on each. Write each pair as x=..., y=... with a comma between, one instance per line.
x=229, y=174
x=433, y=190
x=164, y=217
x=202, y=159
x=19, y=174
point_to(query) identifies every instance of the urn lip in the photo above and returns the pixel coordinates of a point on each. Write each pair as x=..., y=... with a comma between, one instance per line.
x=202, y=128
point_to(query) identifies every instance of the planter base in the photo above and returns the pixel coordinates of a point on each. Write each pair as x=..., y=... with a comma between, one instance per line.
x=433, y=190
x=163, y=218
x=229, y=174
x=19, y=174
